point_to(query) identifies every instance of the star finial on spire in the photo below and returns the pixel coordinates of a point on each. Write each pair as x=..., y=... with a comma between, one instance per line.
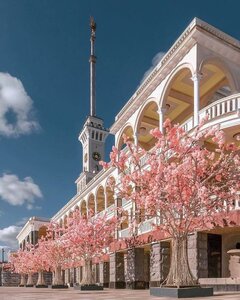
x=93, y=26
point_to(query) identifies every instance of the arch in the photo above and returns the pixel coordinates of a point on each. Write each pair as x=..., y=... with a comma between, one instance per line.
x=76, y=208
x=125, y=223
x=100, y=199
x=61, y=223
x=110, y=190
x=224, y=84
x=167, y=86
x=148, y=119
x=149, y=100
x=91, y=204
x=223, y=66
x=65, y=221
x=128, y=131
x=176, y=100
x=83, y=208
x=42, y=231
x=23, y=244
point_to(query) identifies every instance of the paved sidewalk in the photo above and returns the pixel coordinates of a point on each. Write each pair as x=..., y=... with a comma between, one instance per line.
x=15, y=293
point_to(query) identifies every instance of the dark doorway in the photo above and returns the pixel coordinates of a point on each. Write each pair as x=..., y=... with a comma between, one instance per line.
x=214, y=255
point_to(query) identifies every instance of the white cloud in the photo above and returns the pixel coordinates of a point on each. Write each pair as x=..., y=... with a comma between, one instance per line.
x=14, y=100
x=23, y=221
x=17, y=192
x=156, y=59
x=8, y=236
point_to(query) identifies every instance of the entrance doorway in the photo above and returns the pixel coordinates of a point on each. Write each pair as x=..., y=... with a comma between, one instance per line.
x=214, y=255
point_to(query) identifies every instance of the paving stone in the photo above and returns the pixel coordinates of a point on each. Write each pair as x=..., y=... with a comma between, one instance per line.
x=16, y=293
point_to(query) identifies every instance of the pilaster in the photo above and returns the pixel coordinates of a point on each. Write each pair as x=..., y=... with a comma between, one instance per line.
x=135, y=269
x=117, y=279
x=104, y=274
x=159, y=263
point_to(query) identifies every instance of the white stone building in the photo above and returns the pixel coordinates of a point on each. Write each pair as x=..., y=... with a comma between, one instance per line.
x=199, y=75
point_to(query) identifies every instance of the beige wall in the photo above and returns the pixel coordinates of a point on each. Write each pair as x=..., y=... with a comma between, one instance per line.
x=229, y=241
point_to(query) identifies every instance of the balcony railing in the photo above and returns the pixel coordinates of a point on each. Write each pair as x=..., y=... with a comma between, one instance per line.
x=110, y=211
x=126, y=204
x=124, y=233
x=147, y=225
x=188, y=125
x=221, y=107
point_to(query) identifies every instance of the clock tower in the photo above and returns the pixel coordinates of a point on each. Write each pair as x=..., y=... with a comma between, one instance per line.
x=93, y=134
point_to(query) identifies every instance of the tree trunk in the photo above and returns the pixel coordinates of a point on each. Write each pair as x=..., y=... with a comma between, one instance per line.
x=57, y=278
x=23, y=280
x=30, y=280
x=53, y=277
x=179, y=274
x=41, y=280
x=88, y=274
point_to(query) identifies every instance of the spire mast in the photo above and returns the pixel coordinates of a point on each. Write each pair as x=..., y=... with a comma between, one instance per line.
x=92, y=62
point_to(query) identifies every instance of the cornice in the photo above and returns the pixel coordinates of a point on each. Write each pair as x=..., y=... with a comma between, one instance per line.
x=182, y=45
x=90, y=186
x=27, y=228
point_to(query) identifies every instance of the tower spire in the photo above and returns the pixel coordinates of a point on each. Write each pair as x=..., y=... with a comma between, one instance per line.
x=92, y=62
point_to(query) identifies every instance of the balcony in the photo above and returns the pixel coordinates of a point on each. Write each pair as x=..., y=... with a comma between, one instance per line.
x=147, y=225
x=110, y=211
x=223, y=110
x=124, y=233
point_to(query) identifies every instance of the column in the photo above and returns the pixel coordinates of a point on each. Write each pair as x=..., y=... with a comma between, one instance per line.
x=104, y=273
x=116, y=270
x=161, y=112
x=117, y=203
x=135, y=278
x=202, y=254
x=94, y=271
x=135, y=137
x=146, y=268
x=196, y=83
x=96, y=208
x=105, y=199
x=159, y=263
x=67, y=279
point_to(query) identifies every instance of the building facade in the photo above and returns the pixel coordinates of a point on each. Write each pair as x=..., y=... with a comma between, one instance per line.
x=198, y=76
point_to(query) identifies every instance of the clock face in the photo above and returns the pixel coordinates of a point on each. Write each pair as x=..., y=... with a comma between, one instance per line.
x=85, y=157
x=96, y=156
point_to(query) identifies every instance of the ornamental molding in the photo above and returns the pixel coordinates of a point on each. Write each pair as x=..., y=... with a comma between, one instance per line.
x=78, y=197
x=34, y=223
x=179, y=49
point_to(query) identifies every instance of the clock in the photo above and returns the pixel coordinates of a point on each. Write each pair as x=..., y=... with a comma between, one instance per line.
x=96, y=156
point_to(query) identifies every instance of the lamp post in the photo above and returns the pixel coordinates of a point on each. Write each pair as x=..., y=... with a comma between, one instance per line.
x=3, y=250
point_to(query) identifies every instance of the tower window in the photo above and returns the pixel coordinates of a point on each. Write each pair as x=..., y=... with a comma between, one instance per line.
x=93, y=134
x=96, y=135
x=100, y=137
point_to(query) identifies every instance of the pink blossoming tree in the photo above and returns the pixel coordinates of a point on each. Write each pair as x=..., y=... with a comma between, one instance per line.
x=16, y=260
x=55, y=252
x=41, y=262
x=22, y=263
x=88, y=237
x=187, y=181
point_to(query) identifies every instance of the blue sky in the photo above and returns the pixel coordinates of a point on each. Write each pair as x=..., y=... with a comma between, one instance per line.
x=44, y=79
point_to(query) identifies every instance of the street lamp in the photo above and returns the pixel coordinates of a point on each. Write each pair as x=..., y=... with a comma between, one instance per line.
x=3, y=251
